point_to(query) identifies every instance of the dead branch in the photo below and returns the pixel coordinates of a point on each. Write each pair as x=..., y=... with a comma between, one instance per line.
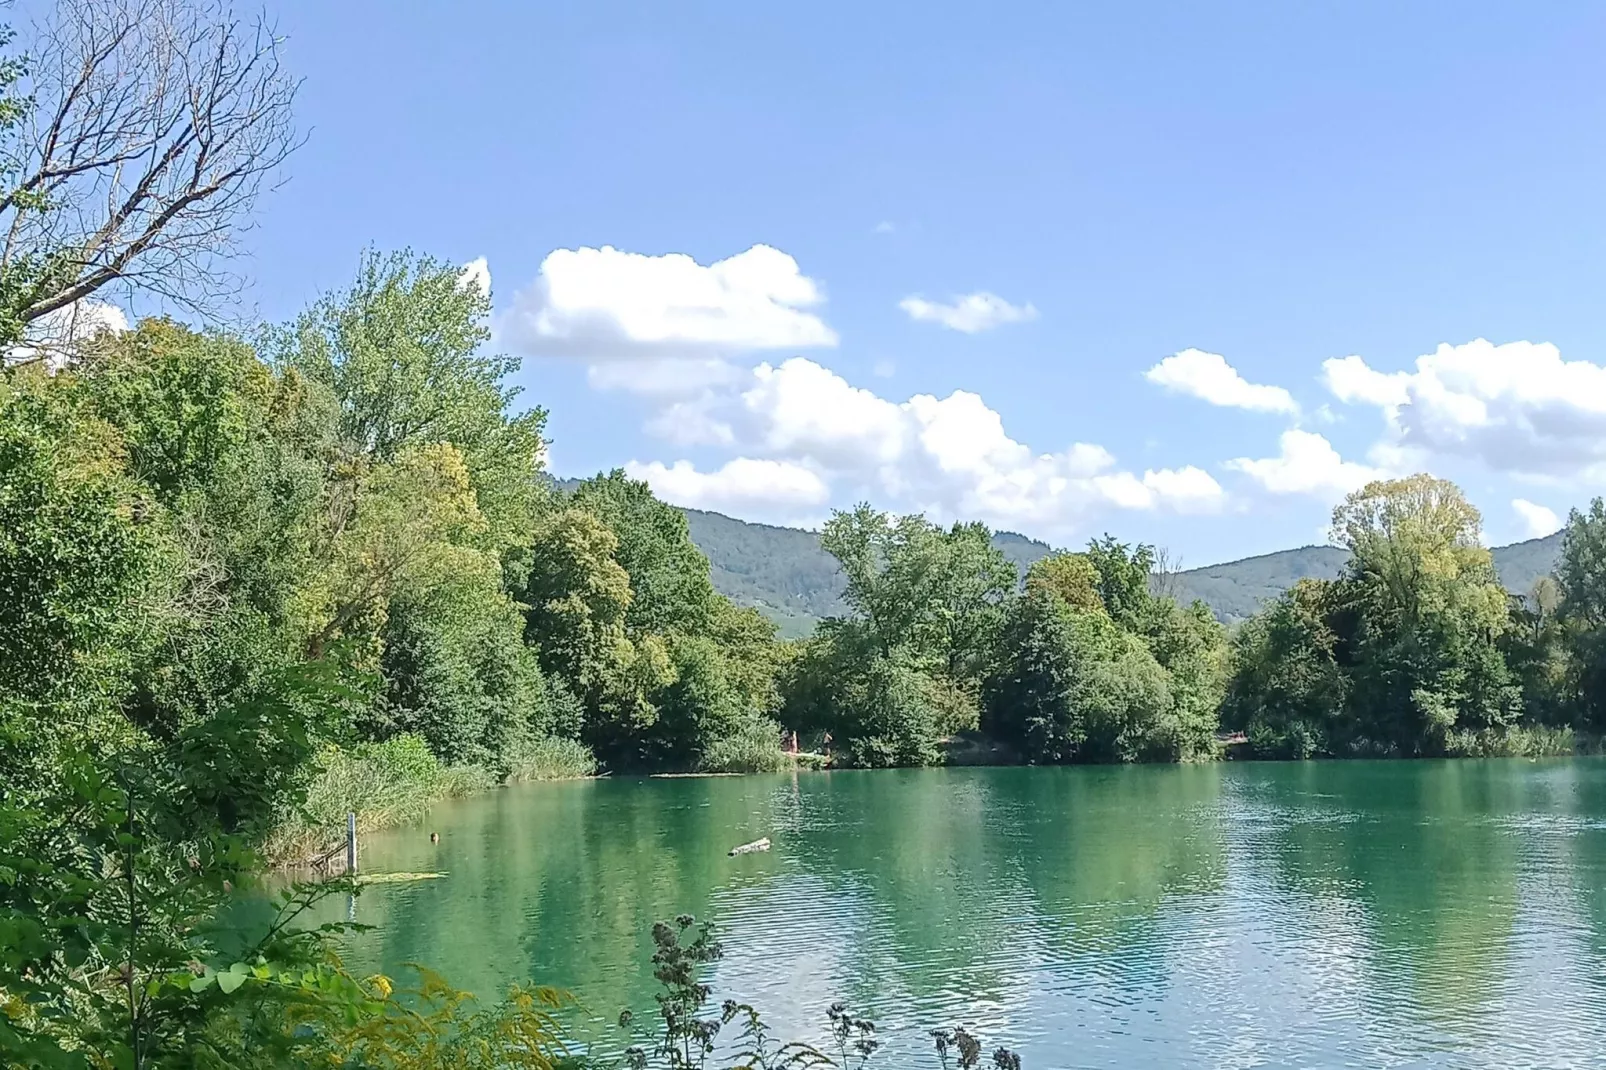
x=154, y=126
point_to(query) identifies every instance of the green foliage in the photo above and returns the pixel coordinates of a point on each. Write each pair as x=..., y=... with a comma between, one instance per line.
x=1581, y=579
x=1429, y=611
x=668, y=574
x=400, y=353
x=114, y=951
x=388, y=784
x=1121, y=579
x=1071, y=684
x=458, y=672
x=225, y=449
x=754, y=747
x=904, y=672
x=544, y=757
x=787, y=575
x=577, y=595
x=1288, y=693
x=1034, y=698
x=1071, y=578
x=1129, y=709
x=1416, y=649
x=75, y=555
x=114, y=871
x=932, y=596
x=889, y=716
x=698, y=705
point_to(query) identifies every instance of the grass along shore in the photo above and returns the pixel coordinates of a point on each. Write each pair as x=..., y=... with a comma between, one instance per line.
x=396, y=783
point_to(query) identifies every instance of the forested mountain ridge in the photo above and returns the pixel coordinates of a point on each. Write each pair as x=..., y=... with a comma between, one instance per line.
x=785, y=573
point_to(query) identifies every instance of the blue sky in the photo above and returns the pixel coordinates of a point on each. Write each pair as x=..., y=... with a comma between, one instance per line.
x=1278, y=186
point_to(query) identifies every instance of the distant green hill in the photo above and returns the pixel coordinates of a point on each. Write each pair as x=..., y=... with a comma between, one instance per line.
x=1523, y=562
x=1234, y=590
x=784, y=572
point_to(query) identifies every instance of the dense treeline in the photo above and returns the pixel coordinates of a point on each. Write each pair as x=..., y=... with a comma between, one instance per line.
x=188, y=513
x=252, y=579
x=1416, y=649
x=1083, y=663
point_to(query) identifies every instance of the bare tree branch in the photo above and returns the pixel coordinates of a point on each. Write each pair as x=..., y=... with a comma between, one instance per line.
x=154, y=126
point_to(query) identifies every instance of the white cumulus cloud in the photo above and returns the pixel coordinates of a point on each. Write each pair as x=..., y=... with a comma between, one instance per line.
x=1352, y=381
x=1537, y=520
x=950, y=457
x=608, y=304
x=1517, y=408
x=1306, y=464
x=1209, y=377
x=740, y=485
x=970, y=313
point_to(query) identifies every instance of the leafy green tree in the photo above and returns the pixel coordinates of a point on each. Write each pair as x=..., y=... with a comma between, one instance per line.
x=929, y=603
x=409, y=524
x=1430, y=612
x=894, y=715
x=400, y=352
x=1581, y=568
x=1070, y=577
x=458, y=673
x=1129, y=709
x=669, y=580
x=577, y=596
x=228, y=452
x=1581, y=579
x=1033, y=699
x=753, y=657
x=698, y=706
x=1122, y=581
x=76, y=556
x=935, y=595
x=1538, y=649
x=1288, y=692
x=1068, y=684
x=1191, y=647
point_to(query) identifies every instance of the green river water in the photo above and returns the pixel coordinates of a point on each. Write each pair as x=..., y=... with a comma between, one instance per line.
x=1367, y=914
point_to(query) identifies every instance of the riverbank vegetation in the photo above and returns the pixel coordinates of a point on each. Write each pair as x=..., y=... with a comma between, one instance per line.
x=189, y=510
x=1416, y=649
x=253, y=577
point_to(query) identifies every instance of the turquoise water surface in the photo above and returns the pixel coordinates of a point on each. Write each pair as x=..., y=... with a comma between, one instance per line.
x=1368, y=914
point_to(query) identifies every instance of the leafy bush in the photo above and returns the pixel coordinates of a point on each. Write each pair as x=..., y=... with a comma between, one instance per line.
x=385, y=784
x=754, y=748
x=549, y=758
x=1516, y=741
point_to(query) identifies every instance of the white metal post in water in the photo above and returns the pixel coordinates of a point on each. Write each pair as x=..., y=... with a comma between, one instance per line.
x=351, y=842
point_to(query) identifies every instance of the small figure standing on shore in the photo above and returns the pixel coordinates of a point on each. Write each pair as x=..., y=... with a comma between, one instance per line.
x=434, y=837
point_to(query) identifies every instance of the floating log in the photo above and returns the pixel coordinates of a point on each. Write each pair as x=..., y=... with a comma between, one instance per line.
x=683, y=776
x=396, y=878
x=749, y=848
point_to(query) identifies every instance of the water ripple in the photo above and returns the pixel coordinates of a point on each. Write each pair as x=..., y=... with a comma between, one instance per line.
x=1334, y=915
